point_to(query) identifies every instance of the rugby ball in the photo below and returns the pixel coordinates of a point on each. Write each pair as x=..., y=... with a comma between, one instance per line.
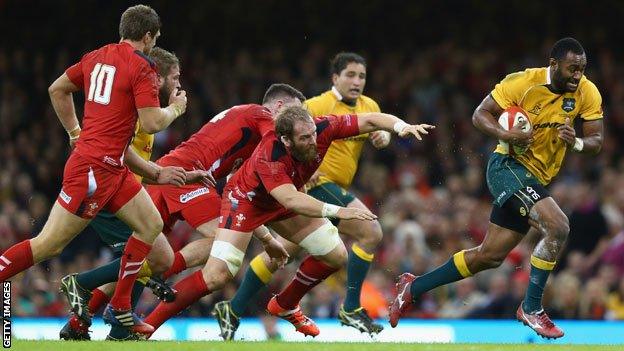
x=511, y=117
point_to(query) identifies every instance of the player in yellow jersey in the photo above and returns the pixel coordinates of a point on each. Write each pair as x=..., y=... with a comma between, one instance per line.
x=330, y=185
x=80, y=288
x=554, y=97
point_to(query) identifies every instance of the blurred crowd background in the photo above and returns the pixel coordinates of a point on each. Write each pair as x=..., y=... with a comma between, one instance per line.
x=427, y=62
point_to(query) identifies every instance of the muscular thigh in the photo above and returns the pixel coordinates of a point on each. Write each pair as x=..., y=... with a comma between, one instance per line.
x=296, y=228
x=139, y=213
x=356, y=228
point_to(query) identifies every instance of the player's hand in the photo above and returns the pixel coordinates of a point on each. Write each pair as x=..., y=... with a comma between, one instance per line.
x=276, y=252
x=314, y=179
x=178, y=98
x=172, y=175
x=200, y=176
x=567, y=133
x=206, y=175
x=516, y=136
x=416, y=130
x=355, y=213
x=72, y=142
x=380, y=139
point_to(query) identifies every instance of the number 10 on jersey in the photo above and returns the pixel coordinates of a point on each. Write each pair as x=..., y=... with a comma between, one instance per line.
x=101, y=84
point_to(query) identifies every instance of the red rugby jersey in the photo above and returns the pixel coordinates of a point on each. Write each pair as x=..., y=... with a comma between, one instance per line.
x=117, y=80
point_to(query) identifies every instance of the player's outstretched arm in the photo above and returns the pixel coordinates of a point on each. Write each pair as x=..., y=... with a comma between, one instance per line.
x=155, y=119
x=63, y=102
x=292, y=199
x=485, y=117
x=374, y=121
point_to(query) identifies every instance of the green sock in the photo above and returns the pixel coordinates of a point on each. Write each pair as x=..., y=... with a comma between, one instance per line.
x=537, y=282
x=250, y=286
x=357, y=268
x=99, y=276
x=446, y=273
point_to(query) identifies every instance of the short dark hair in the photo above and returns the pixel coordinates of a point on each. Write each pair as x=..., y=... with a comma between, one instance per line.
x=164, y=60
x=137, y=20
x=343, y=59
x=281, y=90
x=286, y=119
x=565, y=45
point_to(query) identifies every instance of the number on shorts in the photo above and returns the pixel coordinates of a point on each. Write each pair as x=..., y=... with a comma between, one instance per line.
x=101, y=84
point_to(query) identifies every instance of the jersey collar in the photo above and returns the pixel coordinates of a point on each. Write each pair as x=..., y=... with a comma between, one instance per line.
x=336, y=93
x=548, y=75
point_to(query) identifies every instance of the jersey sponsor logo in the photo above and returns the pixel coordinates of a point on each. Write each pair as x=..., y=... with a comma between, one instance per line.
x=184, y=198
x=568, y=104
x=547, y=125
x=66, y=198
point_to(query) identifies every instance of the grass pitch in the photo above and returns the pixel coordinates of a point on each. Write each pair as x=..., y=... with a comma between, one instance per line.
x=287, y=346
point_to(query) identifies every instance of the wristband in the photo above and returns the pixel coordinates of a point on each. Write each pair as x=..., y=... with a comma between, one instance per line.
x=264, y=239
x=578, y=145
x=399, y=126
x=74, y=133
x=330, y=210
x=177, y=110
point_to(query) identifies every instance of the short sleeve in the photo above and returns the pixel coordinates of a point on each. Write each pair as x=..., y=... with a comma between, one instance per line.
x=145, y=87
x=510, y=90
x=592, y=103
x=74, y=73
x=272, y=174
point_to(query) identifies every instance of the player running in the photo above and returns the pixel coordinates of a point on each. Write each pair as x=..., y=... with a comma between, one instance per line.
x=222, y=143
x=264, y=190
x=87, y=286
x=554, y=97
x=120, y=87
x=334, y=176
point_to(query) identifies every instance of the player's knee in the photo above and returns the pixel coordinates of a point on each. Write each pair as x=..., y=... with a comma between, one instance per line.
x=371, y=235
x=558, y=227
x=155, y=226
x=229, y=254
x=216, y=277
x=271, y=265
x=488, y=260
x=322, y=241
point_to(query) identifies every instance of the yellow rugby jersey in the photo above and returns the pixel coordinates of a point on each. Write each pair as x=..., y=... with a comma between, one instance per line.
x=530, y=89
x=142, y=143
x=341, y=161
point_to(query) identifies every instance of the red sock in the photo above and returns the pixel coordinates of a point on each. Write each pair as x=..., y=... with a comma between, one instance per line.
x=16, y=259
x=97, y=301
x=131, y=261
x=310, y=273
x=179, y=264
x=189, y=290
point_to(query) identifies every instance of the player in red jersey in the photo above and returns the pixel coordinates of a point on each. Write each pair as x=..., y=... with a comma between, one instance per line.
x=120, y=85
x=264, y=190
x=223, y=142
x=220, y=145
